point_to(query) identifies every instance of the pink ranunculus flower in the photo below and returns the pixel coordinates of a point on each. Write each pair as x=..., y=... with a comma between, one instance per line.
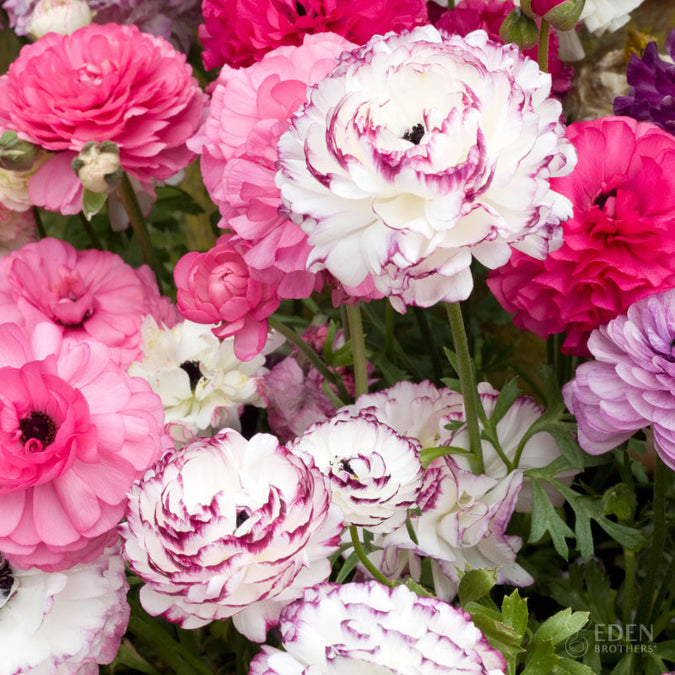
x=217, y=286
x=87, y=294
x=240, y=32
x=250, y=109
x=101, y=83
x=75, y=432
x=618, y=246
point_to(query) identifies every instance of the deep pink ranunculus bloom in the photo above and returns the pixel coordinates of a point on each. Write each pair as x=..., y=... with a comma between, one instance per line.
x=618, y=247
x=75, y=432
x=101, y=83
x=239, y=32
x=87, y=294
x=217, y=286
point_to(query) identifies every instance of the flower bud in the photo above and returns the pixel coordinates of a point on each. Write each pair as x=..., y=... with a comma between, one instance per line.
x=17, y=154
x=561, y=14
x=98, y=166
x=59, y=16
x=519, y=28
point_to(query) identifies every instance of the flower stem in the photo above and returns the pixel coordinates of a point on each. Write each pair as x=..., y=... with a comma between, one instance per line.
x=96, y=242
x=467, y=383
x=293, y=337
x=133, y=209
x=38, y=222
x=542, y=53
x=358, y=548
x=358, y=350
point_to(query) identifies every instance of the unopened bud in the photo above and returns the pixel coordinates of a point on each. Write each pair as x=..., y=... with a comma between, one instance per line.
x=17, y=154
x=561, y=14
x=59, y=16
x=519, y=28
x=98, y=166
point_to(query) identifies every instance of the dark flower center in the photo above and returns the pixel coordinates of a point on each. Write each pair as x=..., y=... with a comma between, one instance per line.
x=192, y=369
x=6, y=580
x=39, y=426
x=346, y=466
x=414, y=134
x=300, y=9
x=242, y=517
x=87, y=314
x=602, y=198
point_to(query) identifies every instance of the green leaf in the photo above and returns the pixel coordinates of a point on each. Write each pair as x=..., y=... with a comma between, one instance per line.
x=452, y=357
x=500, y=636
x=347, y=567
x=509, y=393
x=560, y=626
x=417, y=588
x=546, y=519
x=542, y=660
x=129, y=657
x=568, y=667
x=92, y=202
x=515, y=613
x=428, y=455
x=476, y=584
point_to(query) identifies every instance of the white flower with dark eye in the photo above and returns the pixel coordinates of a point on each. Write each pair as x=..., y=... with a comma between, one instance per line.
x=419, y=152
x=367, y=629
x=227, y=527
x=375, y=474
x=62, y=623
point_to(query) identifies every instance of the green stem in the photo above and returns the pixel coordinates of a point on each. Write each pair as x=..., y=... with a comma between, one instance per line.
x=38, y=222
x=133, y=209
x=658, y=543
x=542, y=53
x=96, y=242
x=293, y=337
x=358, y=548
x=467, y=383
x=628, y=585
x=358, y=350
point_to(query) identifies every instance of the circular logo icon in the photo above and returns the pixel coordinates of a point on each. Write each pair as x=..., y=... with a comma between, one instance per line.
x=576, y=646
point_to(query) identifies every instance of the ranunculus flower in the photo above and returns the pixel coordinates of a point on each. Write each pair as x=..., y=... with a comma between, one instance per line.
x=374, y=473
x=250, y=109
x=619, y=245
x=87, y=294
x=64, y=623
x=17, y=228
x=239, y=32
x=415, y=155
x=217, y=286
x=227, y=527
x=652, y=87
x=75, y=432
x=602, y=15
x=369, y=628
x=59, y=16
x=101, y=83
x=631, y=382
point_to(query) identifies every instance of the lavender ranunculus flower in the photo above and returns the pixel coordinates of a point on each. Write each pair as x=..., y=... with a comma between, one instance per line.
x=369, y=628
x=419, y=152
x=631, y=382
x=227, y=527
x=652, y=87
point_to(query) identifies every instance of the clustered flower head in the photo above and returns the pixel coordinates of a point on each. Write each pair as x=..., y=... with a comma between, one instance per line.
x=369, y=628
x=420, y=152
x=617, y=247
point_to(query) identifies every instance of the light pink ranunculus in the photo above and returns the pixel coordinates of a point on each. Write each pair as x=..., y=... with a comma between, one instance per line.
x=87, y=294
x=75, y=432
x=217, y=286
x=101, y=83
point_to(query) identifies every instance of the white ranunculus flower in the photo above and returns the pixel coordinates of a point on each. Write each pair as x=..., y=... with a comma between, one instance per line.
x=227, y=527
x=59, y=16
x=62, y=623
x=375, y=474
x=367, y=629
x=419, y=152
x=602, y=15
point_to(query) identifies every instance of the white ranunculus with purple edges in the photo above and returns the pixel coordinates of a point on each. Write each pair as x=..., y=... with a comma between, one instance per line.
x=229, y=527
x=63, y=623
x=375, y=474
x=419, y=152
x=631, y=382
x=367, y=628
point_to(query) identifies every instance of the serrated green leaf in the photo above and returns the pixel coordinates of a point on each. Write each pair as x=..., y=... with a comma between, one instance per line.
x=560, y=626
x=542, y=660
x=418, y=589
x=476, y=584
x=546, y=519
x=515, y=613
x=452, y=383
x=500, y=636
x=570, y=449
x=568, y=667
x=92, y=202
x=509, y=393
x=428, y=455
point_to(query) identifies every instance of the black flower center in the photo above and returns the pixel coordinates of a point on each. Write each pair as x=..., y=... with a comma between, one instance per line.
x=414, y=134
x=38, y=425
x=300, y=9
x=193, y=371
x=242, y=517
x=602, y=198
x=6, y=580
x=346, y=466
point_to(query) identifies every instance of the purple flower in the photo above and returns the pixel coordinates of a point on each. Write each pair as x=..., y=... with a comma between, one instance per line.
x=652, y=87
x=631, y=383
x=369, y=628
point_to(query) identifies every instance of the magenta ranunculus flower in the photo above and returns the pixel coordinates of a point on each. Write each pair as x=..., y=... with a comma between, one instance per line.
x=101, y=83
x=75, y=432
x=369, y=628
x=227, y=527
x=239, y=32
x=619, y=245
x=87, y=294
x=217, y=286
x=631, y=383
x=415, y=155
x=250, y=109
